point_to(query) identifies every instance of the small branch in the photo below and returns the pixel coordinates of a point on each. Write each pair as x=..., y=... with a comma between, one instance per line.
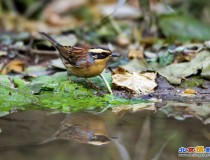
x=33, y=51
x=42, y=52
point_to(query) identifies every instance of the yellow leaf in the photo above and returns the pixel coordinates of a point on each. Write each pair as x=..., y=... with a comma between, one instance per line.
x=190, y=91
x=15, y=65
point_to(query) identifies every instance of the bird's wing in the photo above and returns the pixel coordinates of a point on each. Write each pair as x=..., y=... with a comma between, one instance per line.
x=76, y=56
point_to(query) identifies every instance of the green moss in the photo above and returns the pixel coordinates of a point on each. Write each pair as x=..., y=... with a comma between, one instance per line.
x=192, y=82
x=55, y=92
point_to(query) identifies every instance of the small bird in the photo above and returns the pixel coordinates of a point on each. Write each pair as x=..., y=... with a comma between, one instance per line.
x=83, y=62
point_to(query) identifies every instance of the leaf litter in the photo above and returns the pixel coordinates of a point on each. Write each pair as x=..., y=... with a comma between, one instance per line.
x=153, y=56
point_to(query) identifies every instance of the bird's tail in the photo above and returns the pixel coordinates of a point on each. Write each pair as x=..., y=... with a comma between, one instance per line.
x=51, y=40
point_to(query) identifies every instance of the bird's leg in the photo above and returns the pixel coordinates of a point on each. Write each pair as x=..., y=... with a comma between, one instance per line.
x=92, y=84
x=69, y=75
x=107, y=84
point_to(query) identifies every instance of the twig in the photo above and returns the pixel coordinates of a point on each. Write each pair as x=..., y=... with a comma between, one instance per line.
x=33, y=51
x=42, y=52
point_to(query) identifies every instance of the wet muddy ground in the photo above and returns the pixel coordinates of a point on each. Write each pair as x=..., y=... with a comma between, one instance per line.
x=167, y=91
x=145, y=134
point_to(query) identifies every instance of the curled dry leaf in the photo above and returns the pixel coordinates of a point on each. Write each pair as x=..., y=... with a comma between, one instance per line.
x=137, y=83
x=15, y=65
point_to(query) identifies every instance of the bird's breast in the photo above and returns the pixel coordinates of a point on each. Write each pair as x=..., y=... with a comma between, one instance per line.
x=91, y=71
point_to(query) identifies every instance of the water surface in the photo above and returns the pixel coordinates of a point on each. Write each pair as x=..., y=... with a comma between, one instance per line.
x=145, y=134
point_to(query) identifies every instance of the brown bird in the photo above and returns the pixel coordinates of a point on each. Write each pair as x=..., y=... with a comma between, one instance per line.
x=83, y=62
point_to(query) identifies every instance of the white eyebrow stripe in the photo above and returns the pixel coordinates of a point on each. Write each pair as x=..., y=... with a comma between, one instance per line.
x=98, y=50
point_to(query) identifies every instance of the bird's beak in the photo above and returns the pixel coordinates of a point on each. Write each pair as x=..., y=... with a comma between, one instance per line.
x=115, y=55
x=113, y=138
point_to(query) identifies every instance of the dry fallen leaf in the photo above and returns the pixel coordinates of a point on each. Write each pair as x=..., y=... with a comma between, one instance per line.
x=15, y=65
x=137, y=83
x=190, y=91
x=138, y=53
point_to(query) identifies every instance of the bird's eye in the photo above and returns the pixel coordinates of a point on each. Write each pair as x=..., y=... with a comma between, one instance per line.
x=94, y=55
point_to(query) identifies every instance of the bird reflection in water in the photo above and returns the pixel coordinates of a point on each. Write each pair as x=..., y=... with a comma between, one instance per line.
x=83, y=128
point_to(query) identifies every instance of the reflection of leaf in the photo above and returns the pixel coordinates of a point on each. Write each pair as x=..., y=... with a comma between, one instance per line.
x=175, y=72
x=138, y=83
x=134, y=107
x=181, y=111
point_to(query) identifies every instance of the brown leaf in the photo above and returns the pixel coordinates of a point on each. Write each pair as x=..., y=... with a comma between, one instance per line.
x=135, y=54
x=137, y=83
x=190, y=91
x=15, y=65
